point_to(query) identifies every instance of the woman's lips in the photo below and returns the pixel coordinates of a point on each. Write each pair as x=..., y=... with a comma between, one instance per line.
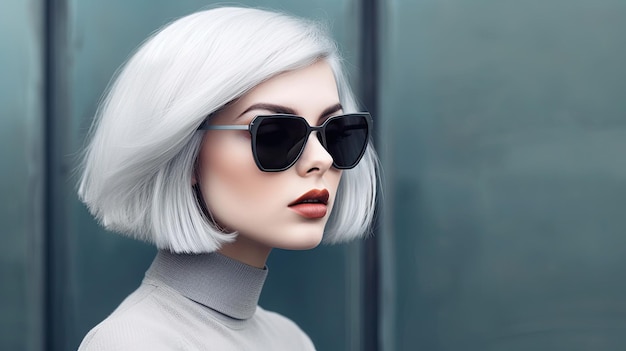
x=310, y=210
x=312, y=205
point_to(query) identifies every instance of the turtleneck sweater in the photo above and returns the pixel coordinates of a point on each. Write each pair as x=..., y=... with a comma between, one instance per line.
x=196, y=302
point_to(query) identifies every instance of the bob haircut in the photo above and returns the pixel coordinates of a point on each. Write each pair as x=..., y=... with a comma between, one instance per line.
x=138, y=166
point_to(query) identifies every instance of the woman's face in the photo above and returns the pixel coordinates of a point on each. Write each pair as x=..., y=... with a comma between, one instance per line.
x=261, y=205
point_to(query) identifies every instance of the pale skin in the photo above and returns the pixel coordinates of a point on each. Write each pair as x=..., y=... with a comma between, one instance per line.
x=242, y=198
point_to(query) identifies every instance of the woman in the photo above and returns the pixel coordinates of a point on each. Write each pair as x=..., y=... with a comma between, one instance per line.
x=228, y=133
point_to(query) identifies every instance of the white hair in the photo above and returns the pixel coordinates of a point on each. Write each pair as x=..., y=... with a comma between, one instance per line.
x=138, y=165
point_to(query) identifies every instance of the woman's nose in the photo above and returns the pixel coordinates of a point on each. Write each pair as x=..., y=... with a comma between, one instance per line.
x=314, y=157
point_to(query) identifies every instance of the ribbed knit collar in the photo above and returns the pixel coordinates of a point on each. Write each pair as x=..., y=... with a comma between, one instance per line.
x=213, y=280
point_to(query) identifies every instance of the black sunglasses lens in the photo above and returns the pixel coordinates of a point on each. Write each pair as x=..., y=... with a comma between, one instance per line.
x=346, y=139
x=279, y=141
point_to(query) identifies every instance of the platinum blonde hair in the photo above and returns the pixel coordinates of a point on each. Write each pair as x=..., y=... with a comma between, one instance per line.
x=138, y=165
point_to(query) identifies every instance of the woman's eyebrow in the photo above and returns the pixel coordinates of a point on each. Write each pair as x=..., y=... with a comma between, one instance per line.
x=287, y=110
x=270, y=107
x=330, y=110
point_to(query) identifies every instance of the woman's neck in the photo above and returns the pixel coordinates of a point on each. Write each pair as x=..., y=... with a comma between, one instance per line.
x=246, y=251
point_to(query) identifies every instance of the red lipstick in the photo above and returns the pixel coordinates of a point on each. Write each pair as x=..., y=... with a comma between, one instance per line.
x=312, y=205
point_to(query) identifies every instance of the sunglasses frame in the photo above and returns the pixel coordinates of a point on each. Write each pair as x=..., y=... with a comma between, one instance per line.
x=253, y=126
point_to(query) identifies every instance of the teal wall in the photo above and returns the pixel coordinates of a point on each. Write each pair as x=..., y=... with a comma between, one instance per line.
x=504, y=141
x=21, y=175
x=501, y=126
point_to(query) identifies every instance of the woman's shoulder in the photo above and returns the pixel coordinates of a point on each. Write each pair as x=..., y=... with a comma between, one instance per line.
x=283, y=328
x=139, y=323
x=129, y=333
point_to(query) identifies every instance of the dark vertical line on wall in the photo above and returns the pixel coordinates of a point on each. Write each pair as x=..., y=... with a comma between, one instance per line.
x=369, y=27
x=55, y=108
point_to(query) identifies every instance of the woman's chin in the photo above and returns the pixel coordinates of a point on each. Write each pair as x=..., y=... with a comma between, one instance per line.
x=306, y=242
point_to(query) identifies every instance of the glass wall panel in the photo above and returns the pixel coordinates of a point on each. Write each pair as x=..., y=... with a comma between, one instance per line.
x=503, y=146
x=21, y=174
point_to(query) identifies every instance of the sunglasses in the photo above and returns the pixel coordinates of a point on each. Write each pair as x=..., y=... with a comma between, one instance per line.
x=278, y=140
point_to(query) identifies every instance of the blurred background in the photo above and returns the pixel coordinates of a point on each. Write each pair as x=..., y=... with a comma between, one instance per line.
x=501, y=126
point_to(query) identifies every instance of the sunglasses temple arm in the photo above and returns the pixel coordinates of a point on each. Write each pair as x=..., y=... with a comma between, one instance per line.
x=228, y=127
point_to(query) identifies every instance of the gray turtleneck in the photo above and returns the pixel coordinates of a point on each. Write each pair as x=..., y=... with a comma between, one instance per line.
x=196, y=302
